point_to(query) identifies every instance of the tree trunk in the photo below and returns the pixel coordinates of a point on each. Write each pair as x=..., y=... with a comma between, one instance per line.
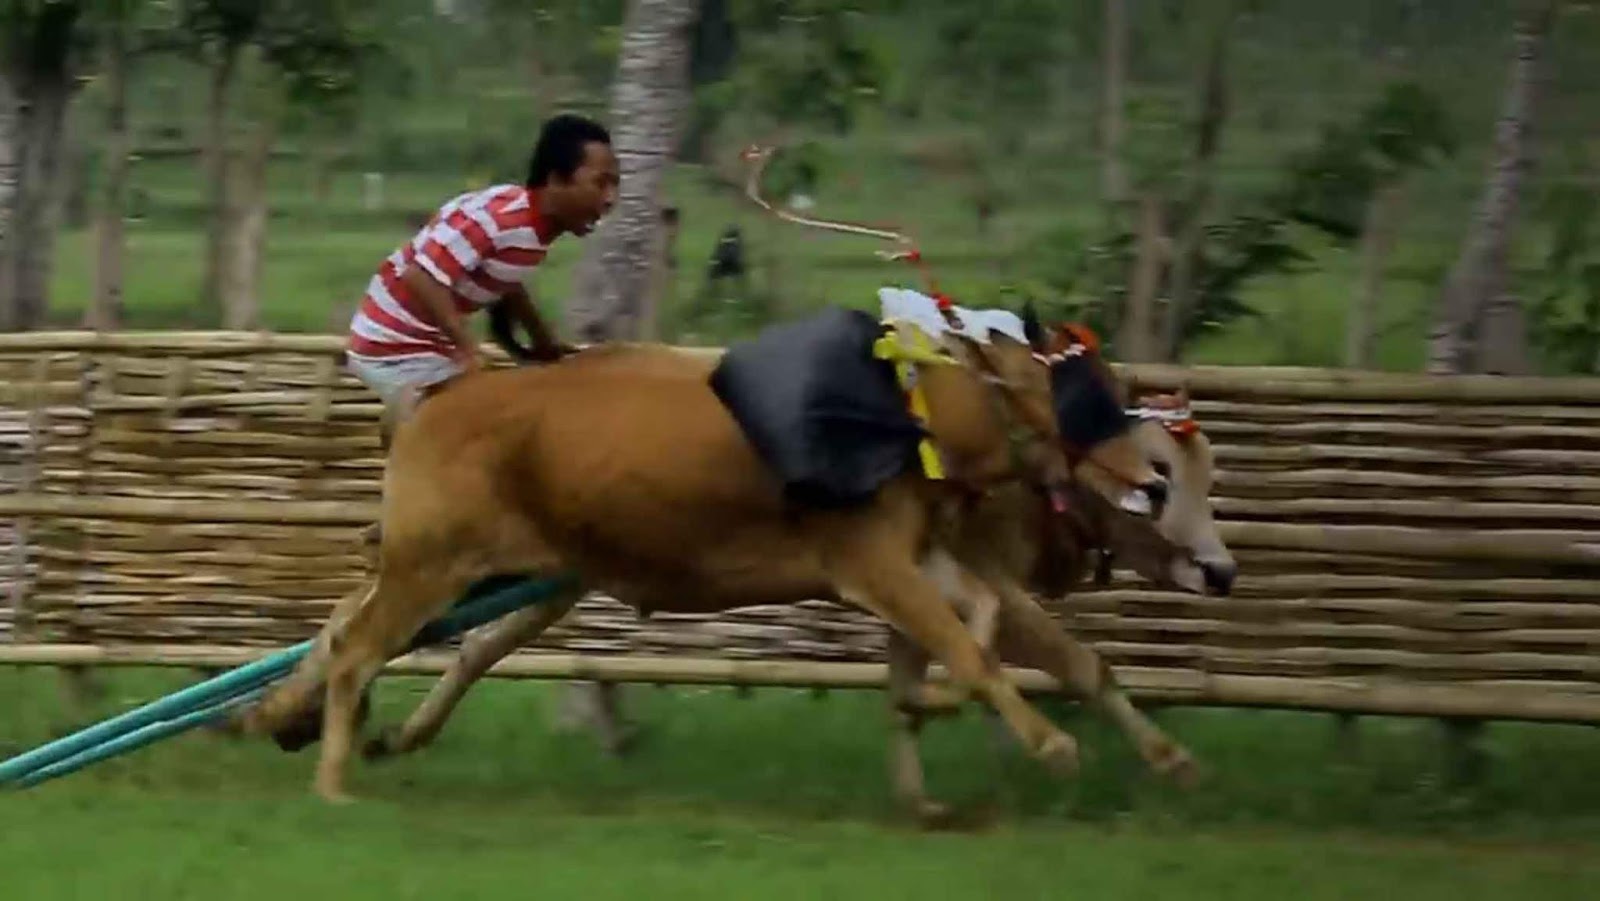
x=1503, y=349
x=29, y=249
x=1136, y=333
x=217, y=157
x=1113, y=178
x=648, y=107
x=242, y=238
x=1186, y=255
x=1377, y=238
x=105, y=308
x=1479, y=277
x=10, y=182
x=663, y=281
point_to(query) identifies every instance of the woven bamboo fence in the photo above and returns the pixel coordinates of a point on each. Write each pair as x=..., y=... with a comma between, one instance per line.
x=1408, y=544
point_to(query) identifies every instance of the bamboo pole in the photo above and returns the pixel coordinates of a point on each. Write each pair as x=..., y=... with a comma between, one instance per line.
x=1282, y=382
x=1548, y=545
x=336, y=513
x=1148, y=684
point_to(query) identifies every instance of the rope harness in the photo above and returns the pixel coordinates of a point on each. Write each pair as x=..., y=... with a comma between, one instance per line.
x=910, y=346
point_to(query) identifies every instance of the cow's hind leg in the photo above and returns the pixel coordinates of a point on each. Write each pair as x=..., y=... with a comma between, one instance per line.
x=480, y=650
x=376, y=632
x=291, y=711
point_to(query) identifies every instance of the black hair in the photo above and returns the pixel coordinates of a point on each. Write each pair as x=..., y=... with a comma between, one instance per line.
x=561, y=147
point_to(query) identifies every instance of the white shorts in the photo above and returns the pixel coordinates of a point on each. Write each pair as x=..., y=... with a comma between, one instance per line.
x=400, y=381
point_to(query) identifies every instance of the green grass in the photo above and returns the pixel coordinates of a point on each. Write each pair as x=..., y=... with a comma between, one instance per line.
x=784, y=795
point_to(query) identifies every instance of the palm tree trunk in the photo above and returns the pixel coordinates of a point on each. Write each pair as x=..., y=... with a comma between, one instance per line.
x=1480, y=278
x=648, y=107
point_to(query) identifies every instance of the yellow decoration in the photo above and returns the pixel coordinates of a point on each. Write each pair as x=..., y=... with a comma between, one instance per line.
x=906, y=346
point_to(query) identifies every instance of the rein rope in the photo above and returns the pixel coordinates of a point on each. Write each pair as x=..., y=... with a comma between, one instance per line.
x=908, y=253
x=895, y=348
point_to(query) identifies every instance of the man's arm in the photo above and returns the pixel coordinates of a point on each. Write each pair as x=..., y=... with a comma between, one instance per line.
x=545, y=346
x=438, y=301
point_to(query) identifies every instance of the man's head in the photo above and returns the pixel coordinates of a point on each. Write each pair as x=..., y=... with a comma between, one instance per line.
x=575, y=171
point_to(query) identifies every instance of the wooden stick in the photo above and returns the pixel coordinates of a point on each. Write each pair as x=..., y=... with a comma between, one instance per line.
x=337, y=513
x=1375, y=509
x=1549, y=546
x=1238, y=382
x=1164, y=686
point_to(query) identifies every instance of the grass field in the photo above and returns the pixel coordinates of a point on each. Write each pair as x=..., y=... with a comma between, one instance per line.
x=783, y=795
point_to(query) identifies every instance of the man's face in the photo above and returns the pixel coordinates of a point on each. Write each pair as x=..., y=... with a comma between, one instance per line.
x=591, y=191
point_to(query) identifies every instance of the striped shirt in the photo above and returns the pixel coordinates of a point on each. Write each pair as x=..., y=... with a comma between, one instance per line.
x=480, y=244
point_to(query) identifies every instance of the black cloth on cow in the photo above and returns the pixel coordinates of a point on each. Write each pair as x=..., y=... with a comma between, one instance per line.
x=819, y=409
x=1087, y=413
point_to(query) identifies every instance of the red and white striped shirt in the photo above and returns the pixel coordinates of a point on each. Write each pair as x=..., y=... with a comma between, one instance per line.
x=480, y=244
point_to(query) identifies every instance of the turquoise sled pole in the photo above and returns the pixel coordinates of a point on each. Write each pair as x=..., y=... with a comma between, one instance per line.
x=208, y=700
x=138, y=738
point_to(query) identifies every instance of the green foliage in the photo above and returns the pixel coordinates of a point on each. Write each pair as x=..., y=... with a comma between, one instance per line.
x=1091, y=284
x=993, y=61
x=577, y=39
x=43, y=38
x=323, y=48
x=1564, y=307
x=320, y=48
x=1326, y=187
x=1329, y=185
x=799, y=62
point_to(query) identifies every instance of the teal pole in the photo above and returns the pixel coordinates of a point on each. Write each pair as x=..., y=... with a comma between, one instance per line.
x=197, y=704
x=210, y=692
x=136, y=739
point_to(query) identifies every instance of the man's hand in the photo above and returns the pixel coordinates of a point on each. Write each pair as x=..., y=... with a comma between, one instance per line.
x=469, y=359
x=552, y=350
x=546, y=348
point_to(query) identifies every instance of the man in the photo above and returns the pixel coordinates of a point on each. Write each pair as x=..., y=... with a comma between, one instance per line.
x=409, y=335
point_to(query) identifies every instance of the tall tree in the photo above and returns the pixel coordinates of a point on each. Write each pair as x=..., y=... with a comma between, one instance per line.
x=649, y=108
x=220, y=29
x=261, y=52
x=1477, y=320
x=650, y=99
x=1212, y=113
x=40, y=41
x=105, y=307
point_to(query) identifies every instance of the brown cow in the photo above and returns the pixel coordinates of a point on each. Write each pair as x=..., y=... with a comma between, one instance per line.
x=620, y=467
x=1183, y=551
x=1015, y=528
